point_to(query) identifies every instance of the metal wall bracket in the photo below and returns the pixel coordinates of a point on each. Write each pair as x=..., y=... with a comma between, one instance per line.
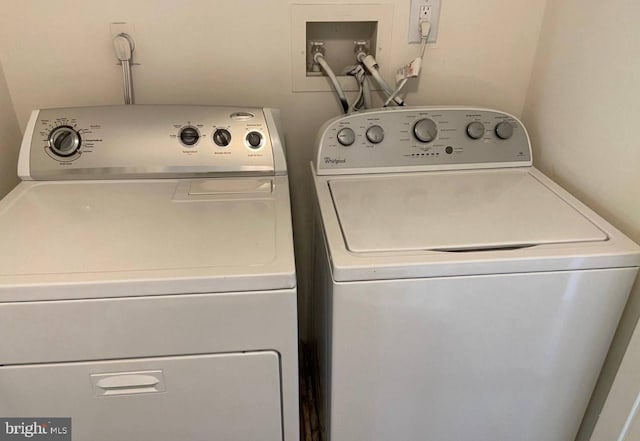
x=124, y=46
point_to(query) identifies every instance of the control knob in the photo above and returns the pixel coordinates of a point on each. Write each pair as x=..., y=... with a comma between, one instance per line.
x=64, y=141
x=189, y=136
x=346, y=136
x=504, y=130
x=475, y=130
x=254, y=139
x=375, y=134
x=222, y=137
x=425, y=130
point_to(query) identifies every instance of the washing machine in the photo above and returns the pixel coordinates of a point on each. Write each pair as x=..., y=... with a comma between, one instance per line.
x=460, y=294
x=147, y=280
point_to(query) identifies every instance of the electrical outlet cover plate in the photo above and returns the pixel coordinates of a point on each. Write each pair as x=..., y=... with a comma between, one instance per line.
x=414, y=19
x=337, y=12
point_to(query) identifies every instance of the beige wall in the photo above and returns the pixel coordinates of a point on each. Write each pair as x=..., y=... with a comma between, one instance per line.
x=238, y=52
x=583, y=112
x=9, y=139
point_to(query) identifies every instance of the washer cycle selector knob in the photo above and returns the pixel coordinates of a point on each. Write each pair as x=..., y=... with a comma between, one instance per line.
x=64, y=141
x=375, y=134
x=189, y=136
x=504, y=130
x=346, y=136
x=222, y=137
x=475, y=130
x=254, y=139
x=425, y=130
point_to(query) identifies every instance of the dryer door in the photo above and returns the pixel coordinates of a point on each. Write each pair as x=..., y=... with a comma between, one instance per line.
x=203, y=397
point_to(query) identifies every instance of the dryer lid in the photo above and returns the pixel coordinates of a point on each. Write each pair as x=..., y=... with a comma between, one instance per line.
x=455, y=211
x=157, y=236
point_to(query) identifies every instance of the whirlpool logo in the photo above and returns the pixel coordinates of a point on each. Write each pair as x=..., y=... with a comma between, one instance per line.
x=334, y=161
x=12, y=429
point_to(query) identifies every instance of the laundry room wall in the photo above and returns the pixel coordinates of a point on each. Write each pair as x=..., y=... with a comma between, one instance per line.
x=238, y=52
x=582, y=110
x=9, y=139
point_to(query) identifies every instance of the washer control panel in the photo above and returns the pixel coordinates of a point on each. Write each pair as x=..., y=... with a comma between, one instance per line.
x=421, y=138
x=155, y=140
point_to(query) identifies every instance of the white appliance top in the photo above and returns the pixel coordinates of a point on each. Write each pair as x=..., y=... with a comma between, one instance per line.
x=214, y=223
x=154, y=236
x=454, y=211
x=445, y=191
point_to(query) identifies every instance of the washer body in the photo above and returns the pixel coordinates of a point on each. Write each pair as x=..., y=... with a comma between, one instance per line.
x=147, y=288
x=459, y=295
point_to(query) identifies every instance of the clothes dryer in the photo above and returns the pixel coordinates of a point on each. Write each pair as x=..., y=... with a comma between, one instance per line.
x=147, y=280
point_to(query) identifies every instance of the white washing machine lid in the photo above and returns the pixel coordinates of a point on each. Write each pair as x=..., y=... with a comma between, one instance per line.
x=142, y=237
x=455, y=211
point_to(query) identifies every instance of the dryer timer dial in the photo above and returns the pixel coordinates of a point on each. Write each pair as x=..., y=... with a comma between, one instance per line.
x=64, y=141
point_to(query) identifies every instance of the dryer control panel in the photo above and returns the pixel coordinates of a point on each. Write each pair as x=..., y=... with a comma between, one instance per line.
x=119, y=142
x=421, y=138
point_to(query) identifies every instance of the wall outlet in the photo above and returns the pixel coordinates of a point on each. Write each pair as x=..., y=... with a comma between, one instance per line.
x=424, y=10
